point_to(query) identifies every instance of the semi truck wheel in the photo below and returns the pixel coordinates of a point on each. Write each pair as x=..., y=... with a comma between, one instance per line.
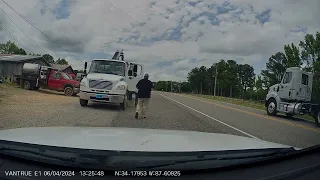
x=289, y=115
x=27, y=85
x=317, y=119
x=272, y=107
x=83, y=102
x=68, y=91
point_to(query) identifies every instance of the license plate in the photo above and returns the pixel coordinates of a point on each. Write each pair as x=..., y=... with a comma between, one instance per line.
x=99, y=96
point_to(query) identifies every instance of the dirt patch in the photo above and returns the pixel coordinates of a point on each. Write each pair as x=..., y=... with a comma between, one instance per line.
x=19, y=104
x=42, y=108
x=13, y=95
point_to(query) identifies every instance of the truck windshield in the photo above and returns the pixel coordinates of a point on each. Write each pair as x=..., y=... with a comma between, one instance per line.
x=65, y=76
x=108, y=67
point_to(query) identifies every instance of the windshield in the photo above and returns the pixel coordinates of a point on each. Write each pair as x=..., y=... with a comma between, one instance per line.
x=65, y=76
x=169, y=76
x=108, y=67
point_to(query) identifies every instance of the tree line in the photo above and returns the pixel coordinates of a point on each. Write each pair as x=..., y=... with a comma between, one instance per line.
x=239, y=80
x=11, y=48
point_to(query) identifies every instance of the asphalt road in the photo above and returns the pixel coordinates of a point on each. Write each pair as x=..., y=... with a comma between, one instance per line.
x=181, y=112
x=24, y=108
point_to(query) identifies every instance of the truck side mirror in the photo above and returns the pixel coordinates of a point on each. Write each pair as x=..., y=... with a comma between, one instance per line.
x=278, y=88
x=130, y=73
x=85, y=67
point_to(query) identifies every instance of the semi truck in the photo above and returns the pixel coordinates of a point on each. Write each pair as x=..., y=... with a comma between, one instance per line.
x=111, y=81
x=35, y=76
x=292, y=95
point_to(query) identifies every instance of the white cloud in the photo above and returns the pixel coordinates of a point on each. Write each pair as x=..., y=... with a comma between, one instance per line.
x=186, y=33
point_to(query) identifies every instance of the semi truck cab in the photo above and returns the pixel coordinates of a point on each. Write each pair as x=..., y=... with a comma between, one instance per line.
x=292, y=95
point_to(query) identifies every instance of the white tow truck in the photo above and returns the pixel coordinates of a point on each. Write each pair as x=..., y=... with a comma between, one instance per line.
x=293, y=95
x=111, y=81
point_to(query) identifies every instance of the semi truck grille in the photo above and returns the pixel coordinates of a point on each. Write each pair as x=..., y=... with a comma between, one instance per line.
x=100, y=84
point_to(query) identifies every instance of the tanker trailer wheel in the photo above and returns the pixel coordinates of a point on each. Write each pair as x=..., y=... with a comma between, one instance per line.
x=68, y=91
x=272, y=107
x=27, y=85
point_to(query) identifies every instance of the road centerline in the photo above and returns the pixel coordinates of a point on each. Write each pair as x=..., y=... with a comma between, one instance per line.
x=221, y=122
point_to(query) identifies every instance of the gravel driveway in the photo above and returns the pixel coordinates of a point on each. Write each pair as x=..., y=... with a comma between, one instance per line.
x=25, y=108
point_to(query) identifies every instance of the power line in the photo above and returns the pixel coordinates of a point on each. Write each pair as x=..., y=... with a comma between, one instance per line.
x=74, y=27
x=23, y=33
x=8, y=32
x=21, y=30
x=36, y=27
x=52, y=23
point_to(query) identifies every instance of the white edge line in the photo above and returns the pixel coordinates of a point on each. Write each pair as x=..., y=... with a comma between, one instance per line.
x=210, y=117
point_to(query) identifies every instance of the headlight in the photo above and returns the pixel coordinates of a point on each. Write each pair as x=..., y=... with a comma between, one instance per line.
x=121, y=87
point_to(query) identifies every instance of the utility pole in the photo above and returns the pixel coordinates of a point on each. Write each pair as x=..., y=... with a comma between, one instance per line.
x=215, y=80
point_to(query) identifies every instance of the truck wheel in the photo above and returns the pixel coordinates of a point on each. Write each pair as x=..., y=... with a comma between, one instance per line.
x=27, y=85
x=68, y=91
x=272, y=107
x=289, y=115
x=123, y=105
x=83, y=102
x=317, y=119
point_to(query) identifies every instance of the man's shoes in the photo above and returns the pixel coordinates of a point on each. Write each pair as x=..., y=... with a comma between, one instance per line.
x=136, y=116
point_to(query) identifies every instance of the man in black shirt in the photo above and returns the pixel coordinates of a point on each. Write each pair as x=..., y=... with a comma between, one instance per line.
x=144, y=87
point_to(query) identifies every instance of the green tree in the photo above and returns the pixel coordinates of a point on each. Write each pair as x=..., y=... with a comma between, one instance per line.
x=292, y=56
x=185, y=87
x=48, y=57
x=310, y=50
x=194, y=78
x=246, y=77
x=311, y=55
x=62, y=61
x=275, y=69
x=11, y=48
x=232, y=76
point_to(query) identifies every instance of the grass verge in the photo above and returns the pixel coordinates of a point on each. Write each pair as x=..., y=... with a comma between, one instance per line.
x=246, y=103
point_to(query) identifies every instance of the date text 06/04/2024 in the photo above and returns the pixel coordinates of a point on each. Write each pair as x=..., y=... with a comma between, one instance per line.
x=147, y=173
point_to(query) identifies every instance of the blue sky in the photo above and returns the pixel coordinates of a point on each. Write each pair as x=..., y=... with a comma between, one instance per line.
x=169, y=37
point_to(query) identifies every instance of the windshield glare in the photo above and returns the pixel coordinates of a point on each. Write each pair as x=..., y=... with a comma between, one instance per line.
x=108, y=67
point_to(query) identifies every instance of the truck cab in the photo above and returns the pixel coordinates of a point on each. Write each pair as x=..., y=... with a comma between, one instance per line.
x=293, y=95
x=110, y=81
x=60, y=81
